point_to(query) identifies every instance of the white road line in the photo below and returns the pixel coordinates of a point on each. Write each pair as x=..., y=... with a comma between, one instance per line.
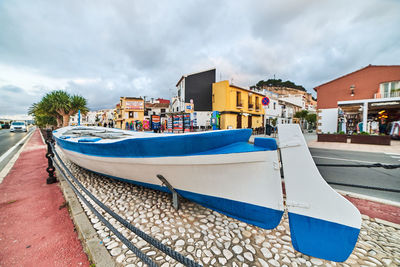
x=373, y=162
x=10, y=164
x=395, y=154
x=8, y=152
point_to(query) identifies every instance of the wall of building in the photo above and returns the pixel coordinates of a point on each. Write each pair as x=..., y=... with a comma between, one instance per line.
x=198, y=87
x=124, y=112
x=366, y=83
x=327, y=120
x=225, y=101
x=203, y=118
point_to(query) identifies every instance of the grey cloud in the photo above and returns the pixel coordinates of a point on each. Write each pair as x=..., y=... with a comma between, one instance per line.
x=105, y=49
x=14, y=100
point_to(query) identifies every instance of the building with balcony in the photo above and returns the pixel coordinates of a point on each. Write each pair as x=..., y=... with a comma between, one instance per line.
x=366, y=100
x=238, y=107
x=128, y=111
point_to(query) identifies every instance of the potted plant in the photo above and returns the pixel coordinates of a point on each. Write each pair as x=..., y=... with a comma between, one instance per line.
x=366, y=138
x=339, y=137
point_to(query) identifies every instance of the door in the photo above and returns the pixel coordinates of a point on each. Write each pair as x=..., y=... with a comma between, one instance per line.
x=239, y=121
x=249, y=122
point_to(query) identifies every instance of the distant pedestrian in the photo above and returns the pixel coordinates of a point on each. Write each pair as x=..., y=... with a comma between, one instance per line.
x=105, y=125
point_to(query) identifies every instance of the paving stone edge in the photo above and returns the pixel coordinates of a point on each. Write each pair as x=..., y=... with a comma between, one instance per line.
x=96, y=252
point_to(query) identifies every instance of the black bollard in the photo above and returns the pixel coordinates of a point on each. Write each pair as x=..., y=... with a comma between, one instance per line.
x=49, y=155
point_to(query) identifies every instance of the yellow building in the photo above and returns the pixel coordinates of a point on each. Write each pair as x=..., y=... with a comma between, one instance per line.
x=129, y=109
x=238, y=107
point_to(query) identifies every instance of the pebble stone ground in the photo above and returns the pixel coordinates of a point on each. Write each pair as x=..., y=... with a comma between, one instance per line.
x=211, y=238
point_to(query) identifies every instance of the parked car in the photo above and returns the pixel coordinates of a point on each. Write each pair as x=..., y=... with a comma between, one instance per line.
x=5, y=126
x=18, y=126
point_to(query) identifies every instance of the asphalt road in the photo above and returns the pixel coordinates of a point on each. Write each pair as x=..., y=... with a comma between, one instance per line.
x=8, y=140
x=375, y=177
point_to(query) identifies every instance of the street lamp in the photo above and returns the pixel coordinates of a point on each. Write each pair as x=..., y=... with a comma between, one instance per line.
x=352, y=90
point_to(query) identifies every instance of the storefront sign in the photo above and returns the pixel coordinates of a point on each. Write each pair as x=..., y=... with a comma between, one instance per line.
x=137, y=105
x=189, y=108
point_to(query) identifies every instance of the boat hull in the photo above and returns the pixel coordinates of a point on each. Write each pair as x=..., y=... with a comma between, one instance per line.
x=245, y=186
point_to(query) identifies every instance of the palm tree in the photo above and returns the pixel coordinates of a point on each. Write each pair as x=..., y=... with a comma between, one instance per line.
x=60, y=105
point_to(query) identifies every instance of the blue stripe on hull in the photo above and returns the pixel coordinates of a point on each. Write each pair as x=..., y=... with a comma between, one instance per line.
x=263, y=217
x=322, y=239
x=210, y=143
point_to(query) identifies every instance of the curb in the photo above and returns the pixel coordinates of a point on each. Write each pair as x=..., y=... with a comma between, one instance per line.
x=12, y=161
x=96, y=252
x=375, y=199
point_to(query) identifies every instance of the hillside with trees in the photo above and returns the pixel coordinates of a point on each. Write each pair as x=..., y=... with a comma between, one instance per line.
x=279, y=83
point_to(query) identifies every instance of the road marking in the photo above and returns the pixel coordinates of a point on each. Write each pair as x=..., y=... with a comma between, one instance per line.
x=8, y=152
x=10, y=164
x=395, y=154
x=361, y=161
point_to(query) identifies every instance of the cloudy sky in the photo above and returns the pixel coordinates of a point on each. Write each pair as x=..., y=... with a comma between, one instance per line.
x=106, y=49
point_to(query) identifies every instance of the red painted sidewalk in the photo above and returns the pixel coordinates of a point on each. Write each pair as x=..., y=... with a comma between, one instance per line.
x=377, y=210
x=34, y=231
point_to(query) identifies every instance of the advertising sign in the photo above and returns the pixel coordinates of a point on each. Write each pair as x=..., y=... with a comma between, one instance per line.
x=186, y=122
x=137, y=105
x=169, y=124
x=178, y=123
x=189, y=108
x=155, y=122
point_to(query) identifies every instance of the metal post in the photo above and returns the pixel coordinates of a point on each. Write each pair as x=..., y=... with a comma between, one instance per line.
x=49, y=155
x=365, y=117
x=175, y=195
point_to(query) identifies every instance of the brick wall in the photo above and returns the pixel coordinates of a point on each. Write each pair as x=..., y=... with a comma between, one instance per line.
x=366, y=83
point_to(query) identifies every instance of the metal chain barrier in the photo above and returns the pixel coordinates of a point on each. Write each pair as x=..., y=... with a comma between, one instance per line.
x=367, y=187
x=124, y=240
x=149, y=239
x=375, y=165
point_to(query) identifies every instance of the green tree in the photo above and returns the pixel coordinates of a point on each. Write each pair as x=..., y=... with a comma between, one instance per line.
x=60, y=106
x=312, y=119
x=302, y=115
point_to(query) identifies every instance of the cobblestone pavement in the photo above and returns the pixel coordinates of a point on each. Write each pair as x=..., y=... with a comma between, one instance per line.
x=211, y=238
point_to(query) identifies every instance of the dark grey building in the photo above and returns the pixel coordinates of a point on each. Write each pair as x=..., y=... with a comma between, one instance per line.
x=198, y=88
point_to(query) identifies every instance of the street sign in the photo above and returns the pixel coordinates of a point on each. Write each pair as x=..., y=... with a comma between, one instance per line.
x=265, y=101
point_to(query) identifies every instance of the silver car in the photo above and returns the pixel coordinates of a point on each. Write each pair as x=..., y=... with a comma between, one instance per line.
x=18, y=126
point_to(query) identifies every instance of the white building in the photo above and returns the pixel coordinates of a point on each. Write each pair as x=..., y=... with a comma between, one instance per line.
x=273, y=110
x=94, y=118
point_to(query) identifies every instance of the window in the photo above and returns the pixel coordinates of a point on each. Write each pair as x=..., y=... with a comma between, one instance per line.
x=250, y=102
x=163, y=110
x=257, y=103
x=130, y=114
x=238, y=99
x=390, y=89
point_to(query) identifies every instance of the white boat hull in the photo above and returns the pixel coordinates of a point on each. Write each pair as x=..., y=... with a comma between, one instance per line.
x=234, y=184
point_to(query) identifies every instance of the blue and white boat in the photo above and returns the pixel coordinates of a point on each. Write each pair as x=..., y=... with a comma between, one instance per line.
x=221, y=170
